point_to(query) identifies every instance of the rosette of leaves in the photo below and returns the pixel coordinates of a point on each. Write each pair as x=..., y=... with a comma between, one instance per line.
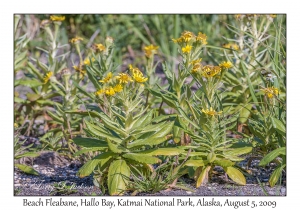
x=211, y=147
x=125, y=142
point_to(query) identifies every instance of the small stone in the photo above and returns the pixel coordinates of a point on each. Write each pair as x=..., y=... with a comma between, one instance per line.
x=17, y=185
x=188, y=192
x=283, y=190
x=35, y=166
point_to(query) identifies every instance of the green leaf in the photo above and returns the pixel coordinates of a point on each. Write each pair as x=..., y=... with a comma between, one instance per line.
x=27, y=169
x=156, y=138
x=142, y=158
x=272, y=155
x=30, y=83
x=196, y=163
x=203, y=176
x=244, y=113
x=33, y=96
x=238, y=151
x=55, y=117
x=279, y=126
x=276, y=175
x=27, y=154
x=224, y=163
x=90, y=149
x=89, y=166
x=235, y=175
x=89, y=142
x=118, y=176
x=115, y=148
x=163, y=151
x=211, y=157
x=142, y=121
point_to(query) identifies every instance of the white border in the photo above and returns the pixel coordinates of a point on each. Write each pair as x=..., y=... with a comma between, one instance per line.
x=147, y=7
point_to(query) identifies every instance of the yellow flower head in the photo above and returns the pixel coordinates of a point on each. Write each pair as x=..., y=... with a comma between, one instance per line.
x=107, y=78
x=139, y=77
x=99, y=92
x=110, y=91
x=196, y=61
x=88, y=62
x=134, y=70
x=196, y=68
x=211, y=112
x=150, y=50
x=124, y=78
x=47, y=77
x=187, y=49
x=202, y=38
x=80, y=70
x=210, y=71
x=226, y=65
x=99, y=47
x=186, y=36
x=118, y=88
x=270, y=92
x=57, y=18
x=16, y=125
x=76, y=40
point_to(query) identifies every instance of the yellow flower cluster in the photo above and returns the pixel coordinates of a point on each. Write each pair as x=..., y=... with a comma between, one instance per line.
x=190, y=37
x=210, y=71
x=107, y=78
x=226, y=65
x=196, y=66
x=76, y=40
x=211, y=112
x=270, y=91
x=99, y=47
x=57, y=18
x=150, y=50
x=47, y=77
x=231, y=46
x=122, y=79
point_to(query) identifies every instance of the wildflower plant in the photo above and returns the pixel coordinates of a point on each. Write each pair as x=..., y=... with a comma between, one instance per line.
x=123, y=130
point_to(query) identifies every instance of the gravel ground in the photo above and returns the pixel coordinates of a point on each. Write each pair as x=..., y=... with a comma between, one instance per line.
x=56, y=171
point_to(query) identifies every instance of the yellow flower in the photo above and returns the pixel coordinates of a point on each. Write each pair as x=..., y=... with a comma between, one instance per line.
x=231, y=46
x=99, y=92
x=139, y=77
x=226, y=64
x=177, y=40
x=196, y=68
x=57, y=18
x=88, y=62
x=123, y=78
x=210, y=71
x=47, y=77
x=150, y=50
x=187, y=49
x=80, y=70
x=202, y=38
x=211, y=112
x=118, y=88
x=16, y=125
x=107, y=78
x=186, y=36
x=99, y=47
x=134, y=70
x=76, y=39
x=196, y=61
x=270, y=91
x=110, y=91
